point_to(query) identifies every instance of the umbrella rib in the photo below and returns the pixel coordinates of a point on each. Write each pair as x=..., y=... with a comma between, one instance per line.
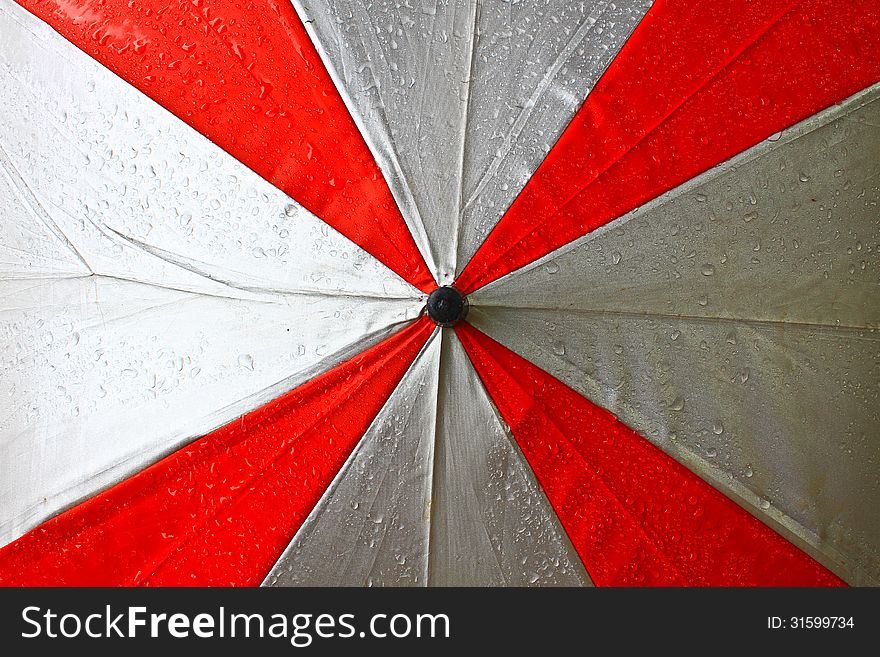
x=260, y=296
x=688, y=318
x=432, y=509
x=265, y=298
x=31, y=201
x=456, y=233
x=187, y=264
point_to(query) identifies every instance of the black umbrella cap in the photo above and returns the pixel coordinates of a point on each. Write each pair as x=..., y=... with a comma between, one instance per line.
x=446, y=306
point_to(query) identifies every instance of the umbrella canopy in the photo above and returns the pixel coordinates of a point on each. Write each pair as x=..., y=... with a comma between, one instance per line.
x=462, y=292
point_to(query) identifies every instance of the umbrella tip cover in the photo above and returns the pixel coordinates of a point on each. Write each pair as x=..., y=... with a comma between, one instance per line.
x=446, y=306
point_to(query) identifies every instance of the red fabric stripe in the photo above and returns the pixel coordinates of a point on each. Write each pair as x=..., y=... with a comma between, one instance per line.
x=698, y=82
x=246, y=75
x=221, y=510
x=635, y=515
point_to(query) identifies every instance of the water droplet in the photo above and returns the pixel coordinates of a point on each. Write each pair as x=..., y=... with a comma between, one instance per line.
x=718, y=428
x=246, y=361
x=707, y=269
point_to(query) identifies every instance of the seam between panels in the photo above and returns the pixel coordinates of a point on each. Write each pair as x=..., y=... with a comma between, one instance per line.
x=734, y=490
x=837, y=112
x=191, y=266
x=260, y=296
x=389, y=164
x=670, y=113
x=685, y=318
x=435, y=450
x=429, y=512
x=778, y=521
x=456, y=234
x=331, y=488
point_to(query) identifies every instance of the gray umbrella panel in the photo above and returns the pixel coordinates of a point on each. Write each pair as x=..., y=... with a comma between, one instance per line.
x=733, y=322
x=435, y=493
x=461, y=100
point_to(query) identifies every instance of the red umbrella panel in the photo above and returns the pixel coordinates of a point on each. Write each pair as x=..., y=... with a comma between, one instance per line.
x=454, y=293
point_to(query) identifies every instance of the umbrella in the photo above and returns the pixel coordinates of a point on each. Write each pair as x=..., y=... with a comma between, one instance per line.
x=472, y=292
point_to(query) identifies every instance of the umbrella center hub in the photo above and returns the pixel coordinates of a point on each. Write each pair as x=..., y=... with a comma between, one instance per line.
x=446, y=306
